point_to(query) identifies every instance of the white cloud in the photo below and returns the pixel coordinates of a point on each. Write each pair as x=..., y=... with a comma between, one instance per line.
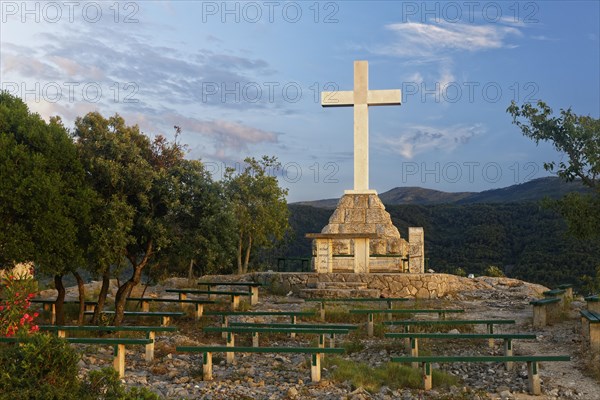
x=433, y=39
x=418, y=139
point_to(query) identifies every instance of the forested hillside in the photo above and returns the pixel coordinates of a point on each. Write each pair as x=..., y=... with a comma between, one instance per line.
x=528, y=241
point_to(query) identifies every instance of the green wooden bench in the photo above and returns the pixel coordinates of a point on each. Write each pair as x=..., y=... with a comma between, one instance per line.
x=235, y=296
x=226, y=314
x=118, y=344
x=506, y=337
x=590, y=327
x=302, y=325
x=252, y=288
x=165, y=316
x=406, y=324
x=593, y=303
x=388, y=300
x=198, y=303
x=568, y=288
x=315, y=352
x=532, y=365
x=255, y=330
x=150, y=331
x=50, y=305
x=370, y=313
x=542, y=308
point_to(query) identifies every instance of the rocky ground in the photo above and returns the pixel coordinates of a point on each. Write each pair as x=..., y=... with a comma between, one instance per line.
x=287, y=376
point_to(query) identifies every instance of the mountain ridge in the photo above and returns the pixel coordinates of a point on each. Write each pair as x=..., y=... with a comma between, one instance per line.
x=533, y=190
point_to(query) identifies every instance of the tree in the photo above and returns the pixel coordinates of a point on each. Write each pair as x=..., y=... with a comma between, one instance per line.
x=137, y=186
x=203, y=224
x=578, y=138
x=259, y=206
x=43, y=195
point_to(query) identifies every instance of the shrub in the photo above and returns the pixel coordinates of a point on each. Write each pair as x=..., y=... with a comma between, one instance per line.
x=40, y=367
x=459, y=271
x=493, y=271
x=104, y=384
x=16, y=293
x=392, y=375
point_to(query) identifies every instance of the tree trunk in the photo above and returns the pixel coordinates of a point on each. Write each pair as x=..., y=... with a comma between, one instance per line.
x=239, y=255
x=125, y=289
x=102, y=296
x=60, y=300
x=247, y=259
x=191, y=270
x=81, y=289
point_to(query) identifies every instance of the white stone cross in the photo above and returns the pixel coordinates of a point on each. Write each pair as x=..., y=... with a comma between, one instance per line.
x=361, y=98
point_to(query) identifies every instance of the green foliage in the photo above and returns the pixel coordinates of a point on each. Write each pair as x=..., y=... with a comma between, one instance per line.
x=15, y=293
x=259, y=207
x=104, y=384
x=42, y=367
x=493, y=271
x=578, y=138
x=43, y=197
x=392, y=375
x=591, y=284
x=459, y=271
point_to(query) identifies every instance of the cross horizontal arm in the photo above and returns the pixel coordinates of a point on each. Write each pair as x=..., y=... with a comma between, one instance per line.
x=384, y=97
x=337, y=99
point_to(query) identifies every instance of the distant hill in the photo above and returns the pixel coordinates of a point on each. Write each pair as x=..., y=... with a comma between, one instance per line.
x=533, y=190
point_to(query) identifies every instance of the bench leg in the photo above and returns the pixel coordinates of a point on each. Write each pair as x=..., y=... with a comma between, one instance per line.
x=224, y=324
x=533, y=378
x=210, y=296
x=235, y=302
x=315, y=367
x=207, y=367
x=594, y=336
x=165, y=320
x=61, y=334
x=414, y=350
x=490, y=330
x=199, y=311
x=150, y=347
x=182, y=296
x=145, y=306
x=539, y=316
x=230, y=343
x=255, y=339
x=119, y=359
x=322, y=310
x=508, y=351
x=585, y=327
x=389, y=307
x=293, y=321
x=53, y=316
x=89, y=307
x=254, y=295
x=332, y=340
x=370, y=325
x=427, y=381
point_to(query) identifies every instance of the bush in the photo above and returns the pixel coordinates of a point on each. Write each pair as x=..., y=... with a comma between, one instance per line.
x=104, y=384
x=41, y=367
x=493, y=271
x=460, y=271
x=44, y=367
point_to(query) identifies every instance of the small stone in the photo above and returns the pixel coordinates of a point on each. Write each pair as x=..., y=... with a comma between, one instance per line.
x=292, y=393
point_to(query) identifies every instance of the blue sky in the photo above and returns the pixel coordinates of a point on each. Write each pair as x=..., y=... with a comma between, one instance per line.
x=242, y=79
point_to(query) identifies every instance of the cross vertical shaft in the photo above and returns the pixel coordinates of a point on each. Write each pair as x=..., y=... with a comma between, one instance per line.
x=361, y=98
